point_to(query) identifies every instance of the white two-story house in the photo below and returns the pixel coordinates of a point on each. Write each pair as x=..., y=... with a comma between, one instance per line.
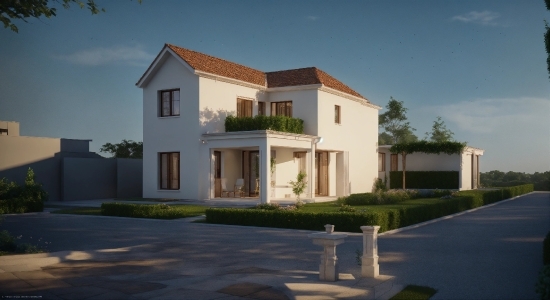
x=187, y=152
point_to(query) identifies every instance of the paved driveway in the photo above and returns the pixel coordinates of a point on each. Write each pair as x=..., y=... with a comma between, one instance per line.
x=492, y=253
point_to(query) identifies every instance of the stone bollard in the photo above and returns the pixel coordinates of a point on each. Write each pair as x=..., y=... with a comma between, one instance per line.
x=328, y=269
x=369, y=261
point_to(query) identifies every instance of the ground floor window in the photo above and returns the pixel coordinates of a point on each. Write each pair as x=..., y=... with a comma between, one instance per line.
x=169, y=170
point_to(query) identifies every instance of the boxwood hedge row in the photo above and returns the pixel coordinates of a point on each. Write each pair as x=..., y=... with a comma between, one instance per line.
x=153, y=211
x=390, y=219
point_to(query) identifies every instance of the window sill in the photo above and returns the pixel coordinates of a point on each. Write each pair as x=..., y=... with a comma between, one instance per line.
x=170, y=191
x=168, y=117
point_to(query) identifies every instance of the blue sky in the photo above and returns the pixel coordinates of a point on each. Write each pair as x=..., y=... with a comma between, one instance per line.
x=480, y=65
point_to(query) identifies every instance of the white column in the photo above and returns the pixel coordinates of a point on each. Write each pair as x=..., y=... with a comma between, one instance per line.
x=265, y=171
x=211, y=178
x=369, y=261
x=311, y=172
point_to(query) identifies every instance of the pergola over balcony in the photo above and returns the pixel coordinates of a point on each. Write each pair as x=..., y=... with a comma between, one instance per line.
x=262, y=141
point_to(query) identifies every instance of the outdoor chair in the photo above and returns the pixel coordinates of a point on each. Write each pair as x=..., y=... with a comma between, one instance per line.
x=224, y=188
x=239, y=188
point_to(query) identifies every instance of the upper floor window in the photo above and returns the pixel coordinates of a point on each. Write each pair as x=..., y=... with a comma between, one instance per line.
x=281, y=108
x=244, y=108
x=381, y=162
x=337, y=119
x=261, y=108
x=170, y=103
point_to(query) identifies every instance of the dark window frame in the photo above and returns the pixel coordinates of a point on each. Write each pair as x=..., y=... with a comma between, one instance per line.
x=284, y=106
x=337, y=114
x=244, y=107
x=172, y=103
x=170, y=173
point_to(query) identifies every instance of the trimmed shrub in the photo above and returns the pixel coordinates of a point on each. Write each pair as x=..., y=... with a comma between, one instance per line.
x=388, y=219
x=153, y=211
x=276, y=123
x=424, y=179
x=344, y=221
x=380, y=197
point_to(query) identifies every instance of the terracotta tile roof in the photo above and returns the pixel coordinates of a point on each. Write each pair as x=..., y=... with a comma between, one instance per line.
x=218, y=66
x=307, y=76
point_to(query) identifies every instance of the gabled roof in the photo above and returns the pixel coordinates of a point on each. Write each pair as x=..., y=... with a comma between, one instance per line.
x=306, y=76
x=210, y=64
x=217, y=66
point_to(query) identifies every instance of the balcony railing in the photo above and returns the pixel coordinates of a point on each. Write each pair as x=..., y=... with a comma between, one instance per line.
x=276, y=123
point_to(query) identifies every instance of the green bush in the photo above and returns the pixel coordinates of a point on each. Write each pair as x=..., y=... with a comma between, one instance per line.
x=391, y=218
x=424, y=179
x=380, y=197
x=276, y=123
x=542, y=286
x=21, y=199
x=546, y=250
x=153, y=211
x=344, y=221
x=513, y=191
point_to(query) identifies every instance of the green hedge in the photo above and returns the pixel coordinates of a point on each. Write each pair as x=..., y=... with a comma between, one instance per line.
x=276, y=123
x=424, y=179
x=546, y=250
x=295, y=219
x=153, y=211
x=25, y=198
x=389, y=219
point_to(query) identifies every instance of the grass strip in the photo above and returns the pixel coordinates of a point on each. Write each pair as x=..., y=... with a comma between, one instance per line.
x=415, y=292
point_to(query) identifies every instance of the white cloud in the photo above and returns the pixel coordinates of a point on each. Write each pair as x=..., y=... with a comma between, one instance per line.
x=496, y=115
x=478, y=17
x=101, y=56
x=313, y=18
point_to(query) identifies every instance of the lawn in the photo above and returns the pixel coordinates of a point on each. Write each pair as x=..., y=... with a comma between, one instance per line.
x=414, y=292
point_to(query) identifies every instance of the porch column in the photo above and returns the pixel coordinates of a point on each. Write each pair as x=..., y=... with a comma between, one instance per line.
x=211, y=179
x=311, y=171
x=265, y=171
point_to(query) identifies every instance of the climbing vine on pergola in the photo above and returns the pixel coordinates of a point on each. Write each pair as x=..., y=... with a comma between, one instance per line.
x=426, y=147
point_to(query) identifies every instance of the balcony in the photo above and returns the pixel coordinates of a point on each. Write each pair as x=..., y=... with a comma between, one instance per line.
x=275, y=123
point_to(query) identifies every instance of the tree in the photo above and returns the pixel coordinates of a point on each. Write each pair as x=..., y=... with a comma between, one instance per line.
x=547, y=37
x=393, y=122
x=11, y=10
x=440, y=133
x=125, y=149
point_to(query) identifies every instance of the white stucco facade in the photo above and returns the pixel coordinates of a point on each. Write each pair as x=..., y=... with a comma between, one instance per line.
x=198, y=133
x=466, y=164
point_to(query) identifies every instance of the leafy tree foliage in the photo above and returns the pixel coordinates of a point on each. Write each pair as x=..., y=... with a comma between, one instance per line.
x=394, y=123
x=11, y=10
x=440, y=133
x=547, y=37
x=125, y=149
x=498, y=179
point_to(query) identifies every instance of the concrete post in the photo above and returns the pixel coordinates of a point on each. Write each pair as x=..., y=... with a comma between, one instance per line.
x=328, y=269
x=369, y=261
